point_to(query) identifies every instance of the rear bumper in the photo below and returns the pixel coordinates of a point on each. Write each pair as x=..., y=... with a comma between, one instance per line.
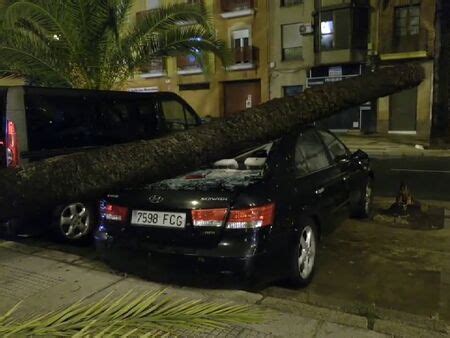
x=11, y=227
x=244, y=261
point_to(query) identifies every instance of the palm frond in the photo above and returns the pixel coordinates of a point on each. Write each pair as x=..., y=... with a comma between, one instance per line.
x=151, y=313
x=91, y=43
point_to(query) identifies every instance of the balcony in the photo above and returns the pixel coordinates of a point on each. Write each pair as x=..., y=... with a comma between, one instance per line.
x=188, y=64
x=155, y=68
x=244, y=58
x=406, y=47
x=236, y=8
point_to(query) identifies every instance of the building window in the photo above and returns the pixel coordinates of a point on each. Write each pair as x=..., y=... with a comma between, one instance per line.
x=407, y=20
x=342, y=28
x=292, y=90
x=292, y=42
x=327, y=30
x=286, y=3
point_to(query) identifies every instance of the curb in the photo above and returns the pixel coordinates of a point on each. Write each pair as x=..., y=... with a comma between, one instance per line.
x=377, y=322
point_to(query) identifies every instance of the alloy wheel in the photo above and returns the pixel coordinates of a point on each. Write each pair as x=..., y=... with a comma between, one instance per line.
x=307, y=252
x=74, y=221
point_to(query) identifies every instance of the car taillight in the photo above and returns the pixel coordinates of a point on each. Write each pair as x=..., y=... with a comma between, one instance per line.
x=113, y=212
x=256, y=217
x=11, y=145
x=208, y=217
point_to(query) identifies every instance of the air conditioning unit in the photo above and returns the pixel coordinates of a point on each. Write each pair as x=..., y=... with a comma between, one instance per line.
x=305, y=28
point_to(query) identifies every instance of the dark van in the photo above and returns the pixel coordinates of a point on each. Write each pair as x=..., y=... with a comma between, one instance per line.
x=38, y=123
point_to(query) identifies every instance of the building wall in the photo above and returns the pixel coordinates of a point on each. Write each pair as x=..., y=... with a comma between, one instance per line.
x=424, y=105
x=289, y=73
x=209, y=102
x=420, y=48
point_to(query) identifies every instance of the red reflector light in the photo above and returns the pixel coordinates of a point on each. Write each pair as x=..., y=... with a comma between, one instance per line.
x=12, y=145
x=113, y=212
x=208, y=217
x=256, y=217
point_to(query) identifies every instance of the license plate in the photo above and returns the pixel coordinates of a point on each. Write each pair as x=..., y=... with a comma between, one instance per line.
x=158, y=218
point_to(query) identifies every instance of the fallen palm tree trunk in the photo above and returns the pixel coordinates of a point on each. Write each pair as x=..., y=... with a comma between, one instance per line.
x=88, y=175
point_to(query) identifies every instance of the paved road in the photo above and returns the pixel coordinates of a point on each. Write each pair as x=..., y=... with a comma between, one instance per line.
x=427, y=177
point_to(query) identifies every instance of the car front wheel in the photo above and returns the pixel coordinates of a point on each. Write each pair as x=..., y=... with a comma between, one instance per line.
x=74, y=222
x=304, y=255
x=363, y=207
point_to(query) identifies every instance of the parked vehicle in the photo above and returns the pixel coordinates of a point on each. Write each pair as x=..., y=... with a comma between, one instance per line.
x=261, y=212
x=38, y=123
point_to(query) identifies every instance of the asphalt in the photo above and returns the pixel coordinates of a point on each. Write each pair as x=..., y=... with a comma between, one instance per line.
x=427, y=177
x=398, y=159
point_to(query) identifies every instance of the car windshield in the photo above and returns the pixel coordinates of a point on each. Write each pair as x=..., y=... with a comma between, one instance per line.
x=255, y=159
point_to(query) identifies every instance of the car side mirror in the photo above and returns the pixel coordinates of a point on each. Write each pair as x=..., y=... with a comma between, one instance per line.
x=359, y=155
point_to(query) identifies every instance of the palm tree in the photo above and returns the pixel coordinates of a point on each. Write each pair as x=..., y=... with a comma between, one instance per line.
x=92, y=43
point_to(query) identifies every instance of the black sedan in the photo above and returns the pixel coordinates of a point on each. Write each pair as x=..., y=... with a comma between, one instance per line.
x=260, y=213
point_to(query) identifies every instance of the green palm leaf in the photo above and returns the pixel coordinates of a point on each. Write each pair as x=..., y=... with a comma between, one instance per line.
x=151, y=313
x=92, y=44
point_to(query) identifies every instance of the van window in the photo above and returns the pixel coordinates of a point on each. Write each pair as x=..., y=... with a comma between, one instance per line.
x=58, y=122
x=177, y=115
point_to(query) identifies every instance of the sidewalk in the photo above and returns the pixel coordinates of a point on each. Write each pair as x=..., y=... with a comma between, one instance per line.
x=395, y=146
x=46, y=279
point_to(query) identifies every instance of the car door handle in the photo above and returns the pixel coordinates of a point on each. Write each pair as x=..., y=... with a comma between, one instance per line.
x=319, y=191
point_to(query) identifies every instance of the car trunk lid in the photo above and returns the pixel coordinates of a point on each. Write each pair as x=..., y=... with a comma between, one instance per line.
x=214, y=189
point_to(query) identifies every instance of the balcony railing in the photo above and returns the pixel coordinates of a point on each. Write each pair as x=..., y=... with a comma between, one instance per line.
x=244, y=58
x=234, y=8
x=188, y=64
x=154, y=68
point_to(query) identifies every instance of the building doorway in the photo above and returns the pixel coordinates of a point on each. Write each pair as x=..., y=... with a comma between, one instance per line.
x=240, y=95
x=403, y=111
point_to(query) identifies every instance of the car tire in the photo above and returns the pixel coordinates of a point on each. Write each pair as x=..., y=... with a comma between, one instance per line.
x=363, y=206
x=74, y=223
x=304, y=255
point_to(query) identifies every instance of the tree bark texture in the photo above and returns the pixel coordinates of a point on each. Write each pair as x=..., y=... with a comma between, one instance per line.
x=84, y=176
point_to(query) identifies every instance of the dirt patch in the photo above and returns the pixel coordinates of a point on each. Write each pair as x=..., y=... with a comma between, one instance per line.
x=416, y=218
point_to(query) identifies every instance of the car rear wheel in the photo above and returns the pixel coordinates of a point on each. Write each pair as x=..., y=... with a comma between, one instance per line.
x=304, y=255
x=74, y=222
x=363, y=207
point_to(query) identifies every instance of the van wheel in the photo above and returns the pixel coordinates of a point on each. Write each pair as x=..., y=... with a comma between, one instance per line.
x=73, y=222
x=303, y=258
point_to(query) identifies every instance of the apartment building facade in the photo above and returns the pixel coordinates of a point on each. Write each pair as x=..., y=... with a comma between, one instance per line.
x=215, y=90
x=344, y=38
x=407, y=32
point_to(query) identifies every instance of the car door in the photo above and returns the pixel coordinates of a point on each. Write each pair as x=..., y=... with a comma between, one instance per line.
x=319, y=181
x=352, y=174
